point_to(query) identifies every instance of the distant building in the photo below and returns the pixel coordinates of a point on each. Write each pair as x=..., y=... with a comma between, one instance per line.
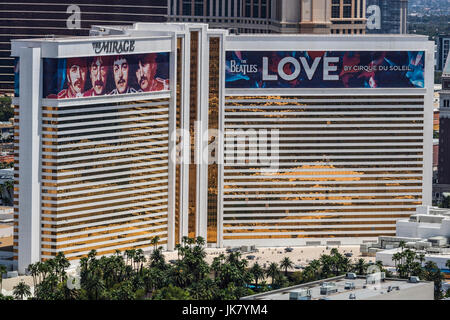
x=443, y=184
x=387, y=16
x=269, y=16
x=443, y=47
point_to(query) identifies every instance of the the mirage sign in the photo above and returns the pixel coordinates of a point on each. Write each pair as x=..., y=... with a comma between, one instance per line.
x=325, y=69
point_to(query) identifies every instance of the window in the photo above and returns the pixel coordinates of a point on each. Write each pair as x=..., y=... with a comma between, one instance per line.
x=347, y=11
x=336, y=9
x=248, y=8
x=198, y=11
x=255, y=9
x=187, y=7
x=361, y=9
x=263, y=9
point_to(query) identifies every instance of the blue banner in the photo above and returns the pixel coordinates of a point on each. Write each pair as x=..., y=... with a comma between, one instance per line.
x=324, y=69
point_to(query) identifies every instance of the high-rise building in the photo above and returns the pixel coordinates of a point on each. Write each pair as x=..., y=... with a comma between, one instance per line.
x=270, y=16
x=175, y=130
x=444, y=131
x=387, y=16
x=443, y=48
x=52, y=18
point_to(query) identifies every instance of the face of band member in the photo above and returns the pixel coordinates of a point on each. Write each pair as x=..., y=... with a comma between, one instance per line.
x=145, y=74
x=121, y=74
x=76, y=75
x=98, y=72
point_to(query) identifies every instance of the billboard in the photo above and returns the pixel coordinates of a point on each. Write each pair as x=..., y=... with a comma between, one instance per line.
x=324, y=69
x=105, y=75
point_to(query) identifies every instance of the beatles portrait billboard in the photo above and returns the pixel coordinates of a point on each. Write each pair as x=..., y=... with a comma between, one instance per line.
x=325, y=69
x=105, y=75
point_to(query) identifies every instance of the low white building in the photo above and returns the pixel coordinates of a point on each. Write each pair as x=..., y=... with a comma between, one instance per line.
x=386, y=257
x=428, y=222
x=427, y=230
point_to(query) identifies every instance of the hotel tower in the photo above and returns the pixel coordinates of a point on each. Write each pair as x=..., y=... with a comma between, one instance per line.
x=174, y=129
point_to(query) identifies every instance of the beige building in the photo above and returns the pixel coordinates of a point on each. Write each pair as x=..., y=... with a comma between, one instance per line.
x=348, y=16
x=270, y=16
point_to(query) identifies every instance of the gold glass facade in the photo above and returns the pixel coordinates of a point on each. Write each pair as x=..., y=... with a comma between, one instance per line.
x=104, y=177
x=213, y=125
x=193, y=110
x=347, y=166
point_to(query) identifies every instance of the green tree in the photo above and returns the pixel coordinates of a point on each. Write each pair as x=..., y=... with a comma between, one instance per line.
x=124, y=291
x=257, y=272
x=315, y=268
x=154, y=242
x=4, y=298
x=273, y=271
x=171, y=293
x=33, y=270
x=21, y=290
x=360, y=266
x=286, y=263
x=433, y=273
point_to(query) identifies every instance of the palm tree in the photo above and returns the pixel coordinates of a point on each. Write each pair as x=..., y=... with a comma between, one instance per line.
x=257, y=273
x=21, y=290
x=402, y=245
x=315, y=268
x=3, y=270
x=360, y=266
x=155, y=241
x=216, y=265
x=421, y=258
x=33, y=269
x=200, y=241
x=286, y=263
x=396, y=257
x=61, y=263
x=94, y=284
x=131, y=255
x=273, y=271
x=379, y=264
